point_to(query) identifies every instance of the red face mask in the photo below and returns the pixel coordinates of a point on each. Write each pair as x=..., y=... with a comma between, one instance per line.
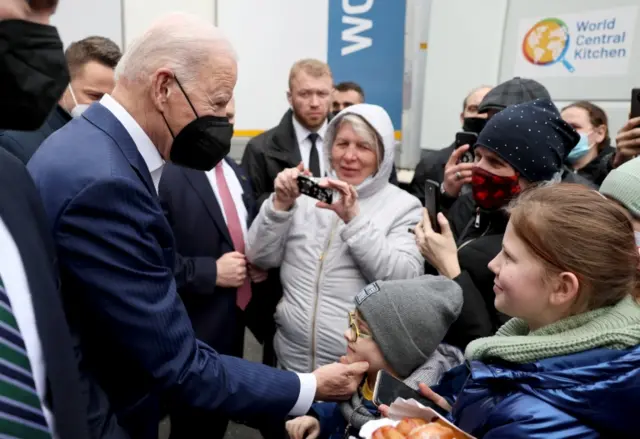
x=492, y=191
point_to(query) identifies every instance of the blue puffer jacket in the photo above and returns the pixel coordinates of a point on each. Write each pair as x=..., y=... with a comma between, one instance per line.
x=591, y=394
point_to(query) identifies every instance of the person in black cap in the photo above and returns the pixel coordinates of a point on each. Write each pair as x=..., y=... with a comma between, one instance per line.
x=512, y=92
x=522, y=145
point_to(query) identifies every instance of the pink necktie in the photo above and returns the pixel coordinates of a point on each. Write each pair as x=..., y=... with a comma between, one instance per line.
x=235, y=230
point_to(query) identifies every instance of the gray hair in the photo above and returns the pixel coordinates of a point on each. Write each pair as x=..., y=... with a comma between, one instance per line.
x=365, y=131
x=181, y=42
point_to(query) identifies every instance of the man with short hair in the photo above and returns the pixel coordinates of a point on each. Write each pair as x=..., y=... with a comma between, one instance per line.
x=346, y=94
x=300, y=133
x=91, y=64
x=98, y=178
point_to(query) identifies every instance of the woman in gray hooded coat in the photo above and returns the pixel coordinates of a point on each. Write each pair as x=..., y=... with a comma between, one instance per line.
x=327, y=253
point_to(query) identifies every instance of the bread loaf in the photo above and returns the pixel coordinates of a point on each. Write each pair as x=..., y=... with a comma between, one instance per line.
x=416, y=428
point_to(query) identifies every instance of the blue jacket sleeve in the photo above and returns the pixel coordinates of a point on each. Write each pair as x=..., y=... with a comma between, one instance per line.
x=107, y=241
x=525, y=417
x=330, y=417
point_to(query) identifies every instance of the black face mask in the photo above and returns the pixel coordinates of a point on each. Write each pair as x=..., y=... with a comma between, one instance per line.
x=203, y=142
x=473, y=124
x=33, y=73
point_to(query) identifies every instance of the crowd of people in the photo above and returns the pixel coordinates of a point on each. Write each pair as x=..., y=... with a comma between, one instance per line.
x=134, y=252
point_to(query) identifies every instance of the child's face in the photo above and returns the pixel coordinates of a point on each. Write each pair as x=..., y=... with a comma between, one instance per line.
x=360, y=344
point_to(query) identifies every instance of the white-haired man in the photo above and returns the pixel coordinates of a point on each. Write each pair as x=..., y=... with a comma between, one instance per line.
x=98, y=178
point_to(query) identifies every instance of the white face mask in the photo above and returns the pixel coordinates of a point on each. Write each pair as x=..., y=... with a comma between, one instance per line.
x=79, y=108
x=637, y=238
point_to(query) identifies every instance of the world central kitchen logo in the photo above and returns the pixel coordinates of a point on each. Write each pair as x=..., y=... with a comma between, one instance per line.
x=550, y=41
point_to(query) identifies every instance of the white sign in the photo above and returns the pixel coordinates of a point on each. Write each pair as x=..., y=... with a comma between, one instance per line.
x=591, y=43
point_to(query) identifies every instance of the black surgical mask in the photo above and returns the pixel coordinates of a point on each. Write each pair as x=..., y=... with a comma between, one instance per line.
x=473, y=124
x=203, y=142
x=33, y=73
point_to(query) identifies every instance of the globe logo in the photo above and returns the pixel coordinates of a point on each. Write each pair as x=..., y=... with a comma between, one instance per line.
x=547, y=42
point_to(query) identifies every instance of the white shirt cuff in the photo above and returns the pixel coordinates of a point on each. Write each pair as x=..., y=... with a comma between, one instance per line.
x=308, y=385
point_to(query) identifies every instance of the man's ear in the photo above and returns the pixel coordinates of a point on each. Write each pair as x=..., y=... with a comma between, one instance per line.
x=290, y=98
x=162, y=81
x=566, y=290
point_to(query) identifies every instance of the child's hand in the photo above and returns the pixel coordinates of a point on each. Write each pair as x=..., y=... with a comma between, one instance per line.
x=304, y=427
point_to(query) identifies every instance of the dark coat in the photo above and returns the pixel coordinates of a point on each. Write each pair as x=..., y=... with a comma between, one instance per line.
x=23, y=144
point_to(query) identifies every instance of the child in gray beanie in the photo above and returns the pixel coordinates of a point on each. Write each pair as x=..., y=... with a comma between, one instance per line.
x=397, y=326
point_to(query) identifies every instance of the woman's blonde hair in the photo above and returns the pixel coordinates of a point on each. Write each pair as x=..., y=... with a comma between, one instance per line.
x=572, y=228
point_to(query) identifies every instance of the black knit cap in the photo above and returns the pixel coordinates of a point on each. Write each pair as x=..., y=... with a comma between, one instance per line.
x=531, y=137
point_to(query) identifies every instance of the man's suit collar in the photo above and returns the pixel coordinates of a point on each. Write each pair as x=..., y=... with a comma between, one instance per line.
x=106, y=121
x=285, y=145
x=59, y=118
x=201, y=185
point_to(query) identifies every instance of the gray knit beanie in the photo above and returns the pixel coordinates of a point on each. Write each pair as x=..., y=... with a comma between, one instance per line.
x=409, y=318
x=623, y=185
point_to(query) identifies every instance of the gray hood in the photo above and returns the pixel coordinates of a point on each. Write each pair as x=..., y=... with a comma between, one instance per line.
x=378, y=118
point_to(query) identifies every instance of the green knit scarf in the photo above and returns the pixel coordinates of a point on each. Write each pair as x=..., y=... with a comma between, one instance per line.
x=614, y=327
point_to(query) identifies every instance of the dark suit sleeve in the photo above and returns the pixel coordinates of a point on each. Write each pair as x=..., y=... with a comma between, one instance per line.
x=254, y=165
x=107, y=237
x=197, y=274
x=10, y=144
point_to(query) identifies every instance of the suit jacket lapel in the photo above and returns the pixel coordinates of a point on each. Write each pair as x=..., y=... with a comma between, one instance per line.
x=285, y=143
x=102, y=118
x=202, y=187
x=247, y=191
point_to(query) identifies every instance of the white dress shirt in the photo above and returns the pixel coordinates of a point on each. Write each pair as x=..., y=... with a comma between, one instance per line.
x=236, y=193
x=155, y=163
x=146, y=148
x=16, y=285
x=304, y=143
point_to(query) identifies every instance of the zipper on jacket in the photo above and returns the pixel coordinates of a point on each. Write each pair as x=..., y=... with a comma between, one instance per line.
x=314, y=317
x=476, y=224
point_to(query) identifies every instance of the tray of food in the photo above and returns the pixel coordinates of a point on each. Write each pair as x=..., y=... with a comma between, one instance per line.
x=408, y=419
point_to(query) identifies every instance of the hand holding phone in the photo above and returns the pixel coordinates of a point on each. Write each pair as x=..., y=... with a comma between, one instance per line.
x=388, y=389
x=466, y=138
x=308, y=186
x=432, y=203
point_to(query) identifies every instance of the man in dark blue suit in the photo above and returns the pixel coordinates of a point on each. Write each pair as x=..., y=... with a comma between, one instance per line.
x=98, y=177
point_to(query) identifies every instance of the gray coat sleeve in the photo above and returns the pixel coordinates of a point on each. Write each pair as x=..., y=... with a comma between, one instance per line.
x=267, y=236
x=381, y=256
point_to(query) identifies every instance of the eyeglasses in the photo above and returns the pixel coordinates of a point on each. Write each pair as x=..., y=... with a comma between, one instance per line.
x=353, y=326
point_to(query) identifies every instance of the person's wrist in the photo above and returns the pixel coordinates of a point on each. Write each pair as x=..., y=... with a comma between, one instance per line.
x=445, y=191
x=349, y=216
x=280, y=205
x=451, y=268
x=320, y=395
